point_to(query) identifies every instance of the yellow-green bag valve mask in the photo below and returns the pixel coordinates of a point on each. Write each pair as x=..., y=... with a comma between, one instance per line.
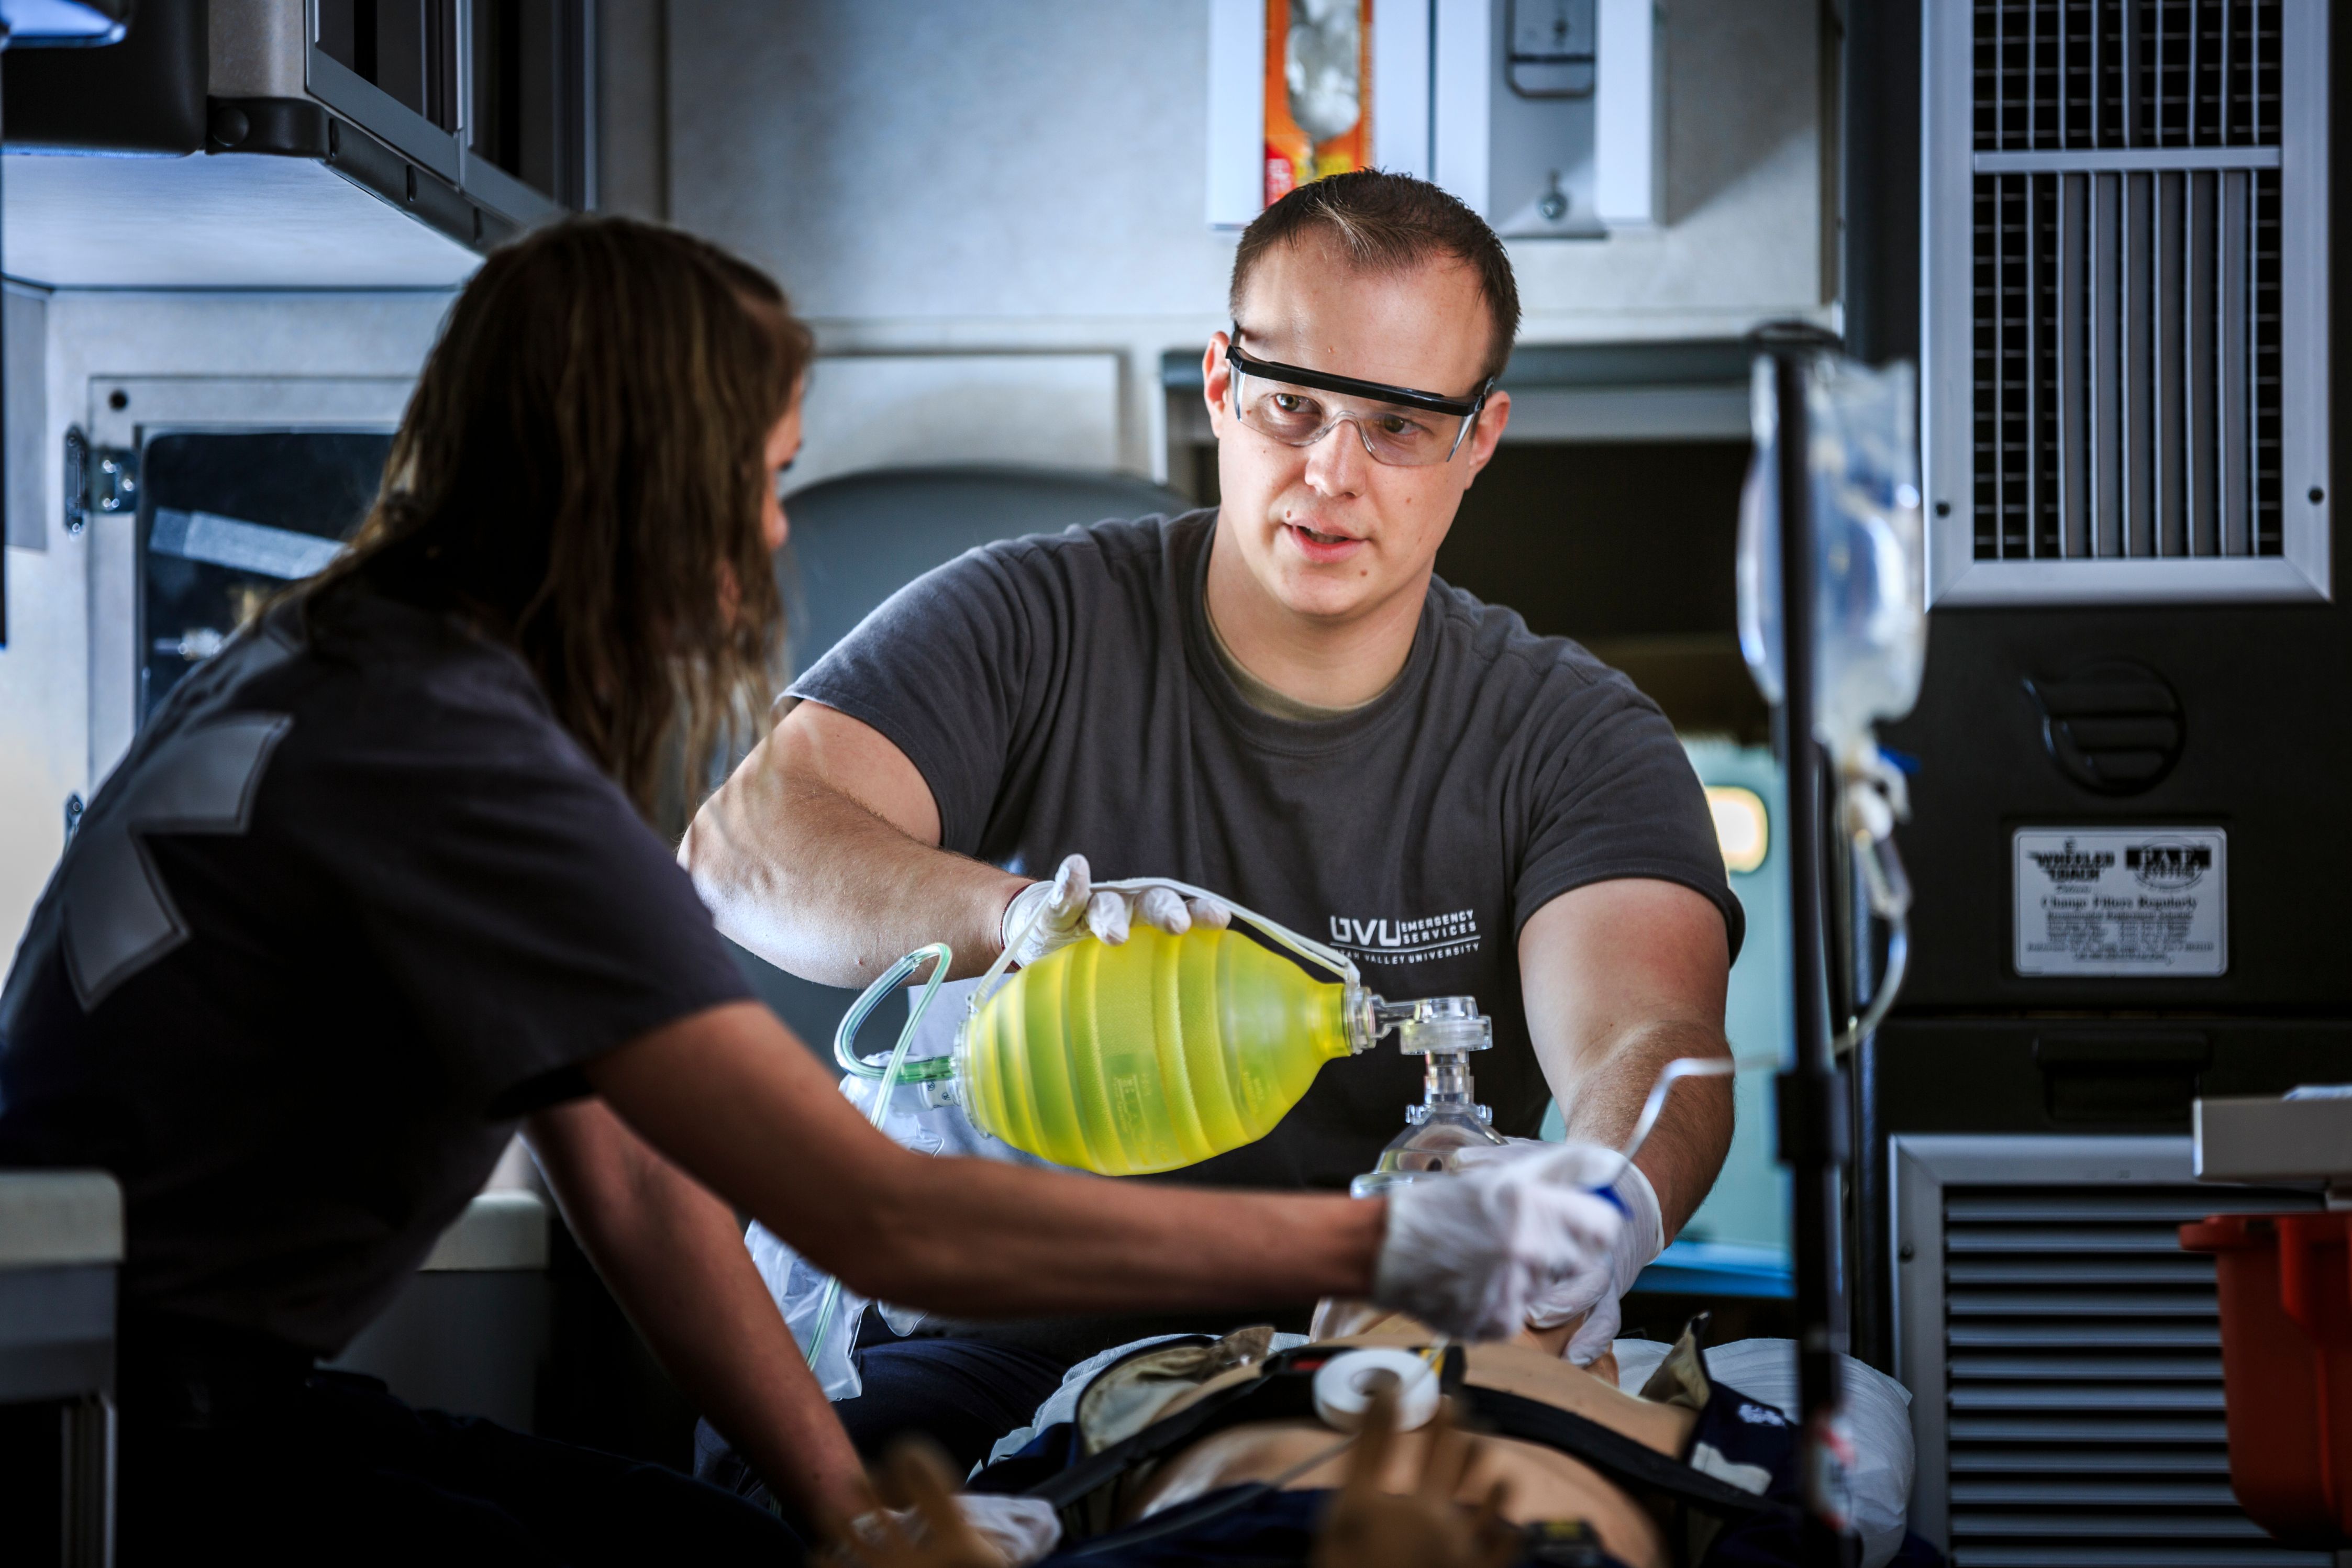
x=1165, y=1050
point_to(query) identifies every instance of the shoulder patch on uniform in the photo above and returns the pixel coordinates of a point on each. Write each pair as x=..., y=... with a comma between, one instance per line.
x=118, y=917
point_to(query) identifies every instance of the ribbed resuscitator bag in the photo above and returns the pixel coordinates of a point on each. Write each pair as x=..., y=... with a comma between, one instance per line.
x=1159, y=1054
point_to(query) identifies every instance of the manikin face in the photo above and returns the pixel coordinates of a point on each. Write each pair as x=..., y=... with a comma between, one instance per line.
x=1325, y=530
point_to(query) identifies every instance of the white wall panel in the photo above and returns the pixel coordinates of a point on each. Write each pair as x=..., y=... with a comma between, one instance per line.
x=1237, y=130
x=993, y=173
x=1626, y=114
x=1461, y=79
x=1400, y=86
x=894, y=158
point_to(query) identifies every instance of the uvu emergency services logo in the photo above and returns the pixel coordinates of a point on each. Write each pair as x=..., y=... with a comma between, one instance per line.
x=2068, y=864
x=2169, y=865
x=1406, y=940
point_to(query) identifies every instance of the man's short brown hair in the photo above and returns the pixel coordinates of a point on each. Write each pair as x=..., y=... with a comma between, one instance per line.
x=1382, y=223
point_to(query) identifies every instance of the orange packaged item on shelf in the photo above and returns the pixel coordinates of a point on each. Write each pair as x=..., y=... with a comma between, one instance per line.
x=1318, y=91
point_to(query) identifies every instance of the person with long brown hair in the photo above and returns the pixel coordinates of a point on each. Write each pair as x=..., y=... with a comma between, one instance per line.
x=377, y=885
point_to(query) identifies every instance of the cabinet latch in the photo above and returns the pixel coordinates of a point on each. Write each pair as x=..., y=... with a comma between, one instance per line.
x=100, y=480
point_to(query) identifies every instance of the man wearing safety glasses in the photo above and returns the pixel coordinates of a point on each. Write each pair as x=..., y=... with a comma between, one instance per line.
x=1275, y=699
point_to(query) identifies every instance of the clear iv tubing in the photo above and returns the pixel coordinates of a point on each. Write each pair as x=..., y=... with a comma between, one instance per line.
x=1882, y=1000
x=939, y=956
x=1889, y=893
x=1673, y=1072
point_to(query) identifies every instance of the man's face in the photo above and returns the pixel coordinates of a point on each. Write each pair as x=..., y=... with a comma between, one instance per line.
x=1326, y=530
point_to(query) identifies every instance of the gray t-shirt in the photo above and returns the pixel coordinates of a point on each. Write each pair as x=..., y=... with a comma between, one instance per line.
x=1061, y=694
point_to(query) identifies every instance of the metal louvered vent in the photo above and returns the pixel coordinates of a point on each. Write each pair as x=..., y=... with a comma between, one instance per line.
x=2127, y=73
x=2113, y=209
x=2127, y=375
x=2084, y=1357
x=2072, y=1353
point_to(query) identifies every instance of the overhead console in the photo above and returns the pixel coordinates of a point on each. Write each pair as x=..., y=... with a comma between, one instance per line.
x=298, y=143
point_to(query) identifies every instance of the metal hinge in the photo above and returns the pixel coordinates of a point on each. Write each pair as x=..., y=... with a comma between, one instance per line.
x=100, y=480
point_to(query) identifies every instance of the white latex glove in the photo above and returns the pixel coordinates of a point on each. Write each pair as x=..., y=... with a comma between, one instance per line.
x=1591, y=1290
x=1470, y=1255
x=1020, y=1530
x=1071, y=906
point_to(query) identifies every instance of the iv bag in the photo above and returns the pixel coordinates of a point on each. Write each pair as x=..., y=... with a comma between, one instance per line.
x=1870, y=612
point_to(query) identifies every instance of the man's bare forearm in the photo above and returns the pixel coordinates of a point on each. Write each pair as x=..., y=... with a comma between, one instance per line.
x=1686, y=1148
x=674, y=1257
x=1621, y=977
x=816, y=881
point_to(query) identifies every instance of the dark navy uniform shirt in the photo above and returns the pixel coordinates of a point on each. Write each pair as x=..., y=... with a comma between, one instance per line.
x=354, y=903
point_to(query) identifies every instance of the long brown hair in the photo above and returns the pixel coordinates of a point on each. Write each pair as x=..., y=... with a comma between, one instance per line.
x=580, y=470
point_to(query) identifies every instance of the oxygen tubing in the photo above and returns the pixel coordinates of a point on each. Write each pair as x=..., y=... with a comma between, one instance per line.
x=890, y=1073
x=926, y=1070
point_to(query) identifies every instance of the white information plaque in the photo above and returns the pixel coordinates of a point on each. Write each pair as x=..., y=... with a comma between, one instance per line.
x=2122, y=901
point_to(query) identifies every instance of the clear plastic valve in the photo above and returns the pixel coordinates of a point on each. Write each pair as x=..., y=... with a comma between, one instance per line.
x=1442, y=1031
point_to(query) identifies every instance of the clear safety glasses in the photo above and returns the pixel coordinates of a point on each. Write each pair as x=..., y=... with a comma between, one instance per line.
x=1398, y=425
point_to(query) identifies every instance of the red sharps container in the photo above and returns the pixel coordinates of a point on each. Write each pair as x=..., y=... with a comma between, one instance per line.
x=2286, y=1360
